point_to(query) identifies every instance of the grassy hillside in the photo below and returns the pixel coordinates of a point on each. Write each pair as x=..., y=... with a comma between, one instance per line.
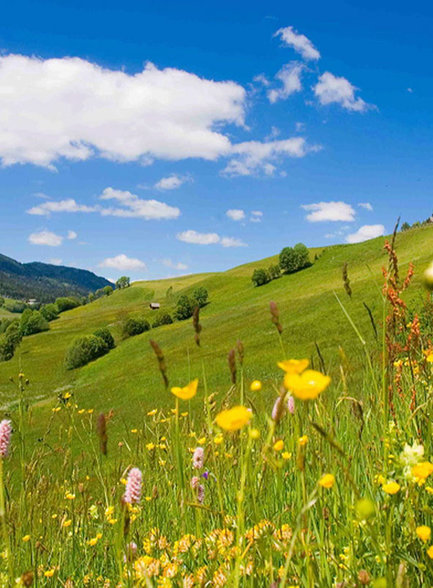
x=309, y=310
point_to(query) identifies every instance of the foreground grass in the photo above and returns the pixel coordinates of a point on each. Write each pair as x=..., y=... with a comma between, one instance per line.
x=265, y=515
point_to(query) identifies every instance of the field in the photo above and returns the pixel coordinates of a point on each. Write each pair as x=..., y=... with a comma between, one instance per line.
x=327, y=487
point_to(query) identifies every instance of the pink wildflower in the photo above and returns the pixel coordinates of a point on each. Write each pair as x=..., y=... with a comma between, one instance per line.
x=5, y=437
x=198, y=458
x=133, y=487
x=291, y=404
x=195, y=481
x=200, y=494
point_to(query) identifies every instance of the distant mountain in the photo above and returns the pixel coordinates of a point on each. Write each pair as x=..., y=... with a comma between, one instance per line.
x=44, y=281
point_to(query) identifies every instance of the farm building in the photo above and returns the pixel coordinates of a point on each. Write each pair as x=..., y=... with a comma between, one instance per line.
x=155, y=305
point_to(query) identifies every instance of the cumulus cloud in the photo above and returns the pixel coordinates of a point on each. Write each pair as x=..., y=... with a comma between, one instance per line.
x=300, y=43
x=174, y=265
x=332, y=89
x=71, y=235
x=235, y=214
x=74, y=109
x=254, y=156
x=256, y=216
x=45, y=238
x=171, y=182
x=366, y=232
x=197, y=238
x=129, y=206
x=122, y=262
x=290, y=76
x=329, y=211
x=365, y=205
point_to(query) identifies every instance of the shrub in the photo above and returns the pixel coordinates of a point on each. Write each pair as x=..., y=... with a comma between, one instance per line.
x=32, y=322
x=50, y=312
x=13, y=333
x=184, y=308
x=107, y=290
x=162, y=319
x=294, y=258
x=200, y=295
x=274, y=271
x=10, y=340
x=123, y=282
x=15, y=306
x=84, y=350
x=2, y=301
x=260, y=276
x=105, y=334
x=135, y=326
x=67, y=303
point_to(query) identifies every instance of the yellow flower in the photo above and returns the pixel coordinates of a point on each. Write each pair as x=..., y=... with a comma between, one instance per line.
x=152, y=412
x=49, y=573
x=423, y=532
x=254, y=434
x=67, y=523
x=26, y=538
x=256, y=386
x=134, y=430
x=308, y=385
x=293, y=366
x=218, y=439
x=278, y=445
x=69, y=496
x=187, y=392
x=286, y=455
x=327, y=481
x=234, y=418
x=150, y=446
x=421, y=471
x=430, y=552
x=92, y=542
x=391, y=487
x=303, y=440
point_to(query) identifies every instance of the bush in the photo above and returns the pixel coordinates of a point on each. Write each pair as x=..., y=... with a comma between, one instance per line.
x=260, y=276
x=32, y=322
x=67, y=303
x=7, y=348
x=135, y=326
x=13, y=333
x=15, y=306
x=294, y=258
x=184, y=308
x=200, y=295
x=105, y=334
x=84, y=350
x=162, y=319
x=10, y=340
x=2, y=301
x=50, y=312
x=107, y=290
x=274, y=271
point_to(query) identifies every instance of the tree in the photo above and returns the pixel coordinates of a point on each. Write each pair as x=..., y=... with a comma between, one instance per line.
x=162, y=319
x=260, y=276
x=200, y=295
x=2, y=301
x=294, y=258
x=123, y=282
x=184, y=308
x=32, y=322
x=84, y=350
x=108, y=290
x=67, y=303
x=135, y=326
x=302, y=255
x=274, y=271
x=50, y=312
x=105, y=334
x=405, y=226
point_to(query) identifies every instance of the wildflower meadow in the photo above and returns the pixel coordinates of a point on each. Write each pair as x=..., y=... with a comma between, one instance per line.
x=316, y=478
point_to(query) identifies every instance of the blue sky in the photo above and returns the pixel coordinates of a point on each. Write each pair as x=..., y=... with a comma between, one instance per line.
x=156, y=139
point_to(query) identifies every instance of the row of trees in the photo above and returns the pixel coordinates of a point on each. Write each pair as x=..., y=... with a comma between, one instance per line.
x=292, y=259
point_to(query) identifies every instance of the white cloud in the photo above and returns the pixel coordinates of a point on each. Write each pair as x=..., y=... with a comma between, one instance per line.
x=253, y=156
x=232, y=242
x=55, y=261
x=197, y=238
x=366, y=232
x=235, y=214
x=171, y=182
x=134, y=207
x=329, y=211
x=365, y=205
x=192, y=236
x=256, y=216
x=177, y=266
x=69, y=205
x=72, y=235
x=290, y=76
x=300, y=43
x=130, y=206
x=46, y=238
x=332, y=89
x=75, y=109
x=122, y=262
x=261, y=79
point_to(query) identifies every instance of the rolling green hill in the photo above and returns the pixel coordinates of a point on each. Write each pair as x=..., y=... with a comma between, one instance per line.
x=310, y=313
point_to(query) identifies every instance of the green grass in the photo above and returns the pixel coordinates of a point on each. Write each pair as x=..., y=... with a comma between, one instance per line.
x=309, y=311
